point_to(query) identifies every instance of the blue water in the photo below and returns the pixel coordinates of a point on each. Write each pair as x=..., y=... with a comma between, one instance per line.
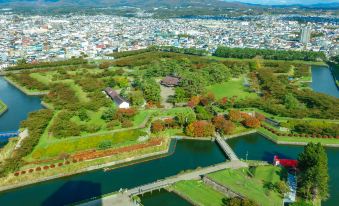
x=189, y=154
x=323, y=82
x=19, y=105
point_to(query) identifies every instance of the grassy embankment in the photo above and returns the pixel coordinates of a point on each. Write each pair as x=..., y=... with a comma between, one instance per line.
x=3, y=107
x=250, y=185
x=199, y=193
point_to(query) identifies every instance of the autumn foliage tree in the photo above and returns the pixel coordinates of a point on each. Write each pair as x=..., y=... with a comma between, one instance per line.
x=222, y=125
x=200, y=129
x=194, y=101
x=157, y=126
x=252, y=122
x=235, y=116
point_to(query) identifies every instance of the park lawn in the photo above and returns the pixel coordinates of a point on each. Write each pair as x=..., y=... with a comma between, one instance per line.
x=268, y=173
x=233, y=87
x=250, y=187
x=76, y=144
x=199, y=193
x=291, y=140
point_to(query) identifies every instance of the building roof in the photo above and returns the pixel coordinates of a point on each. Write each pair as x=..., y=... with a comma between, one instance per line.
x=170, y=80
x=114, y=95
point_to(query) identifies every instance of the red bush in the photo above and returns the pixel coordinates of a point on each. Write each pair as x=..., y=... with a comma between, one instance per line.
x=16, y=173
x=194, y=101
x=23, y=172
x=38, y=169
x=60, y=164
x=52, y=166
x=46, y=167
x=31, y=170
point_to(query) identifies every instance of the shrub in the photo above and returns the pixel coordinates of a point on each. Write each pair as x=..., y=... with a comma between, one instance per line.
x=16, y=173
x=126, y=123
x=105, y=145
x=46, y=167
x=31, y=170
x=38, y=169
x=52, y=166
x=60, y=164
x=23, y=172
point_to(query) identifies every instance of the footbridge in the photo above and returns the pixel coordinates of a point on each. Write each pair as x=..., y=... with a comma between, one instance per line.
x=196, y=174
x=226, y=148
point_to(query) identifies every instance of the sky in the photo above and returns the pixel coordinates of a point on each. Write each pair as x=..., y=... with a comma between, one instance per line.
x=282, y=2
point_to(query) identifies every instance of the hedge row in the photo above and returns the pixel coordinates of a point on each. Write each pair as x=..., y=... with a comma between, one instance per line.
x=281, y=134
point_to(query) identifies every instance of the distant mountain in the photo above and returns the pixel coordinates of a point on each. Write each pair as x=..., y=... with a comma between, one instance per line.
x=332, y=5
x=132, y=3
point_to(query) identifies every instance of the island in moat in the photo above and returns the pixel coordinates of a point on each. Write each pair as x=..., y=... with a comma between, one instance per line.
x=113, y=114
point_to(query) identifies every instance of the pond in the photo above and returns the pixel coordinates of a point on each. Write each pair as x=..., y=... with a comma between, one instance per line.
x=188, y=154
x=323, y=81
x=257, y=147
x=19, y=105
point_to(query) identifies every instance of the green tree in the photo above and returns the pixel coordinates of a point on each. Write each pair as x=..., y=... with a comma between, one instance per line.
x=291, y=102
x=151, y=90
x=313, y=176
x=136, y=98
x=108, y=114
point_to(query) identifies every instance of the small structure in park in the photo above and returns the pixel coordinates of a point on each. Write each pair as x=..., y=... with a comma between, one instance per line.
x=118, y=100
x=288, y=163
x=170, y=81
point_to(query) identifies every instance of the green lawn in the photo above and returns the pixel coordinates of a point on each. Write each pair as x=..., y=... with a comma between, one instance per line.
x=250, y=187
x=199, y=193
x=234, y=87
x=268, y=173
x=3, y=107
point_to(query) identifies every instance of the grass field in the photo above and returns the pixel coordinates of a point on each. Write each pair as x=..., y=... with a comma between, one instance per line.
x=199, y=193
x=117, y=139
x=268, y=173
x=250, y=187
x=3, y=107
x=231, y=88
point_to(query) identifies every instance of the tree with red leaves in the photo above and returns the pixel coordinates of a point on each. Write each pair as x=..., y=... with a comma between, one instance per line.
x=222, y=125
x=157, y=126
x=251, y=122
x=200, y=129
x=194, y=101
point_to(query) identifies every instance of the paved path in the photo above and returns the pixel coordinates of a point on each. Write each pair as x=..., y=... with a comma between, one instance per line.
x=115, y=200
x=226, y=148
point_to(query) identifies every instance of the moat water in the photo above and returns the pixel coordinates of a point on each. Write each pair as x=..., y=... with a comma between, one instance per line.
x=188, y=154
x=19, y=105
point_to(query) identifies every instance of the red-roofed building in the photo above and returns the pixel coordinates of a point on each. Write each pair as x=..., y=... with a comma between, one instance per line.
x=285, y=162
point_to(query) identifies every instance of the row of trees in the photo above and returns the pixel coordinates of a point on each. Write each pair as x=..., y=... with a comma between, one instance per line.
x=28, y=82
x=24, y=65
x=36, y=124
x=247, y=53
x=313, y=127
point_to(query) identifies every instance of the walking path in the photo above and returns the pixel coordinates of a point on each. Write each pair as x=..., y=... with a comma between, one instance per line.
x=113, y=200
x=226, y=148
